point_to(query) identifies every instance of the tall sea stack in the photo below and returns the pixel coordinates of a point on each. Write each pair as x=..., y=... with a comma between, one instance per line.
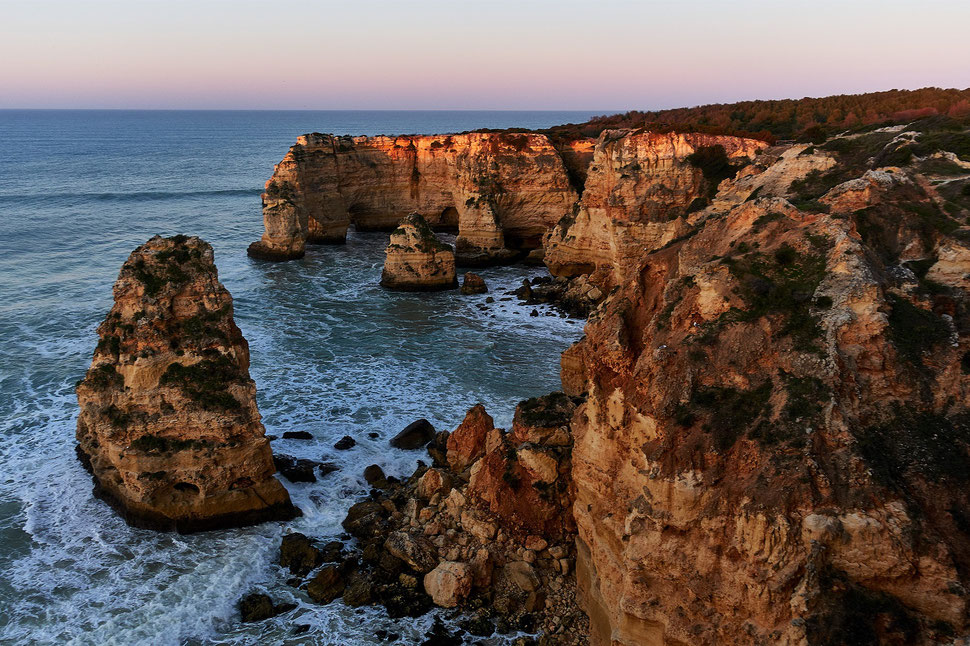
x=168, y=425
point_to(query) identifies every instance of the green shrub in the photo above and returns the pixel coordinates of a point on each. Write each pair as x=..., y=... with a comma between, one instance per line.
x=913, y=330
x=206, y=382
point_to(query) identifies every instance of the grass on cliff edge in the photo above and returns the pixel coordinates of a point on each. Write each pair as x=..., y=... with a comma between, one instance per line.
x=206, y=382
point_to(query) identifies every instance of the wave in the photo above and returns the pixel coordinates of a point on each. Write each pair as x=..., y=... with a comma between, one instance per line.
x=135, y=196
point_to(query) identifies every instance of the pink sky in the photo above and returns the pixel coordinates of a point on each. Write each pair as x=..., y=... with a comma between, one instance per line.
x=500, y=54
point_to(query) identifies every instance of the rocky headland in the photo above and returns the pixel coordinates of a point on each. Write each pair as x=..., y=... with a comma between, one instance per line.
x=501, y=192
x=769, y=442
x=168, y=425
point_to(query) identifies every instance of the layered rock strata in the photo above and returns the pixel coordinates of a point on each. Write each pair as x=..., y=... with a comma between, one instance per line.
x=638, y=191
x=774, y=446
x=416, y=260
x=500, y=191
x=168, y=424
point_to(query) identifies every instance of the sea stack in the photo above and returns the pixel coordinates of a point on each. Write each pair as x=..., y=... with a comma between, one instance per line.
x=168, y=425
x=417, y=260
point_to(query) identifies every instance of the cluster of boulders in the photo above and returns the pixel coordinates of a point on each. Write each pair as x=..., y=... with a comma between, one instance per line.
x=573, y=296
x=486, y=529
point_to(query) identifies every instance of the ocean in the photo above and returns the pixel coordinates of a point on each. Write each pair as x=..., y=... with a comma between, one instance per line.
x=332, y=353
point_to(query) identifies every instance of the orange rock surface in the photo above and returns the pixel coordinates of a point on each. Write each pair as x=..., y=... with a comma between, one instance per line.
x=168, y=424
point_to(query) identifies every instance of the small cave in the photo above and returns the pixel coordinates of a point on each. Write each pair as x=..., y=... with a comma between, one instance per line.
x=186, y=487
x=447, y=221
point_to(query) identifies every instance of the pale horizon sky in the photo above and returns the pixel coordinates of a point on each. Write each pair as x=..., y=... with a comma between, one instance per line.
x=598, y=55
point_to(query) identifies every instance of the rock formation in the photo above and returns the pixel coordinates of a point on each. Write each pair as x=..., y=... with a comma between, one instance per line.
x=500, y=191
x=774, y=446
x=639, y=189
x=168, y=424
x=417, y=260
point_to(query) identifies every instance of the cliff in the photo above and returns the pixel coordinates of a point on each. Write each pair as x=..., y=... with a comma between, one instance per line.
x=168, y=425
x=639, y=190
x=775, y=442
x=500, y=191
x=416, y=260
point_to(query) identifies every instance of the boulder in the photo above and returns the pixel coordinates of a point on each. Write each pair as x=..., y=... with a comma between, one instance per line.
x=358, y=590
x=298, y=554
x=295, y=469
x=327, y=585
x=473, y=284
x=297, y=435
x=374, y=475
x=467, y=443
x=434, y=481
x=416, y=551
x=344, y=443
x=258, y=607
x=449, y=583
x=414, y=436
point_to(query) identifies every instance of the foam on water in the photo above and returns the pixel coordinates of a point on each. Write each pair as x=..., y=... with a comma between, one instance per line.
x=332, y=354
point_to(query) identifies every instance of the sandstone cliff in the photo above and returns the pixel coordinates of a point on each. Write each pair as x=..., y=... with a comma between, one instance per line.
x=500, y=191
x=416, y=260
x=168, y=423
x=774, y=446
x=639, y=189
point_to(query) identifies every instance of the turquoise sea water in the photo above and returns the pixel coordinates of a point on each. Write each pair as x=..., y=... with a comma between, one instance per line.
x=332, y=353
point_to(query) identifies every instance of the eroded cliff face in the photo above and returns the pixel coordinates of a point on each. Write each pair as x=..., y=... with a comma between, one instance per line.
x=168, y=423
x=500, y=191
x=416, y=260
x=638, y=191
x=775, y=444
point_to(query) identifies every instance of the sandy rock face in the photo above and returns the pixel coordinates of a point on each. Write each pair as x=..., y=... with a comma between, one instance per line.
x=449, y=583
x=639, y=188
x=500, y=191
x=773, y=447
x=168, y=423
x=417, y=260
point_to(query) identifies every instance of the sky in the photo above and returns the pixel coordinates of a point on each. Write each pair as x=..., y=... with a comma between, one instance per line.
x=604, y=55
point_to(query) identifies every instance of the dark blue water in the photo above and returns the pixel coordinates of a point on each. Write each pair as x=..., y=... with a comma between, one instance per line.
x=332, y=353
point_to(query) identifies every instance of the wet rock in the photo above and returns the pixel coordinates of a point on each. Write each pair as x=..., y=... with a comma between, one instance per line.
x=534, y=313
x=438, y=449
x=473, y=284
x=297, y=435
x=374, y=475
x=327, y=467
x=479, y=626
x=298, y=554
x=489, y=300
x=417, y=552
x=403, y=601
x=414, y=436
x=358, y=591
x=373, y=435
x=344, y=443
x=365, y=519
x=327, y=585
x=449, y=583
x=439, y=635
x=332, y=552
x=525, y=292
x=259, y=607
x=301, y=629
x=295, y=469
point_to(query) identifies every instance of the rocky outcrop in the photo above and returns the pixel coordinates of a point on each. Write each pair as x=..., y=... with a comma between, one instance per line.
x=168, y=424
x=416, y=260
x=640, y=187
x=774, y=447
x=500, y=191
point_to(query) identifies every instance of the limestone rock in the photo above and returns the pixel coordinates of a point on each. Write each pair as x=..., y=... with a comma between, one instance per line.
x=449, y=583
x=473, y=284
x=298, y=554
x=327, y=585
x=168, y=424
x=500, y=191
x=417, y=552
x=417, y=260
x=467, y=443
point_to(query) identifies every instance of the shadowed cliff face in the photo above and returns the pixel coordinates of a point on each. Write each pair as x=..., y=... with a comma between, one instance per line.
x=775, y=444
x=638, y=191
x=500, y=191
x=168, y=424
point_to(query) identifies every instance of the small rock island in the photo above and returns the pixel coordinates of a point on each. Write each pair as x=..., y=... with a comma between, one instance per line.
x=168, y=425
x=417, y=260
